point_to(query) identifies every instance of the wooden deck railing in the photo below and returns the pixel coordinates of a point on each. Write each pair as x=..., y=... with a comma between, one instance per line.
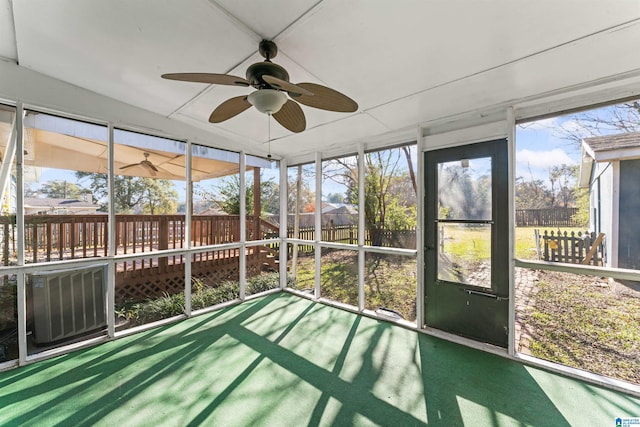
x=58, y=237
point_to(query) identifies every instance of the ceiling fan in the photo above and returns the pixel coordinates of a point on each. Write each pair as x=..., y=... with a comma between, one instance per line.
x=272, y=85
x=145, y=164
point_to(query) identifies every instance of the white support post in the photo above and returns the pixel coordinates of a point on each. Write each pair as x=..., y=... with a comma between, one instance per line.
x=243, y=226
x=111, y=248
x=511, y=144
x=21, y=282
x=361, y=225
x=284, y=214
x=187, y=229
x=420, y=315
x=296, y=224
x=318, y=224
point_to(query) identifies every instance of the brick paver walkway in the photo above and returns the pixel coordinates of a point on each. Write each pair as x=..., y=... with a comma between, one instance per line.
x=526, y=289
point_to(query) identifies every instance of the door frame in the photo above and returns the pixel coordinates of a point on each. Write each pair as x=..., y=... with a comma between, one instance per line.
x=456, y=300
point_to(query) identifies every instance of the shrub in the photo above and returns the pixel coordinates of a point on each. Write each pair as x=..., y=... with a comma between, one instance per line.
x=202, y=296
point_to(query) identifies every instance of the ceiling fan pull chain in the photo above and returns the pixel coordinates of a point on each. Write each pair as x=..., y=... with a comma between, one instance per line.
x=269, y=135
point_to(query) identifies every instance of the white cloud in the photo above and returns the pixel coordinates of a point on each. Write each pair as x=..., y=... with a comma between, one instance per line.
x=543, y=159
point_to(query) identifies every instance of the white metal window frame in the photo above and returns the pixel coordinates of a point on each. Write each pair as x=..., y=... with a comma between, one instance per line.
x=21, y=269
x=360, y=248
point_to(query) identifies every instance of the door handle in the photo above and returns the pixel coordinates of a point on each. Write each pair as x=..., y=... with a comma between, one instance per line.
x=484, y=294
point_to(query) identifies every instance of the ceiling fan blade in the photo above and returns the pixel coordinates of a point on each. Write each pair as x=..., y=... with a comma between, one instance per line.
x=209, y=78
x=229, y=108
x=286, y=86
x=149, y=167
x=129, y=166
x=291, y=117
x=326, y=98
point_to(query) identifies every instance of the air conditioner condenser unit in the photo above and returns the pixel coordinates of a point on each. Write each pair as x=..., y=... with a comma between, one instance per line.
x=68, y=303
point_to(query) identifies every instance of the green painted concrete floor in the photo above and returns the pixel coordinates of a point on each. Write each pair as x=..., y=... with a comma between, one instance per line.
x=282, y=360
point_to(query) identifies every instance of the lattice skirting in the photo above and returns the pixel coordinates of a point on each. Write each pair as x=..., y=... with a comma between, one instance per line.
x=143, y=284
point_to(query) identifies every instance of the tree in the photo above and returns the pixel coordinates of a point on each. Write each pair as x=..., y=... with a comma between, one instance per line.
x=307, y=197
x=532, y=194
x=565, y=176
x=160, y=197
x=226, y=195
x=619, y=118
x=335, y=198
x=61, y=189
x=132, y=194
x=387, y=204
x=463, y=194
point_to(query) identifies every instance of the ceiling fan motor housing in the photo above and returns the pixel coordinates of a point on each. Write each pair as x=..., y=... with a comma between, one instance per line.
x=256, y=71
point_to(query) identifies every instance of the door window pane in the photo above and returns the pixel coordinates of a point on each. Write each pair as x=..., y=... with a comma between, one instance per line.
x=465, y=254
x=464, y=189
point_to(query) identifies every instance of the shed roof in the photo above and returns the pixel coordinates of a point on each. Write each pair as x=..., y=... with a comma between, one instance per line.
x=613, y=147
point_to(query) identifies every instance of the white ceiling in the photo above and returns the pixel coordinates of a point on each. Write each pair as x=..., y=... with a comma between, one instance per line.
x=405, y=62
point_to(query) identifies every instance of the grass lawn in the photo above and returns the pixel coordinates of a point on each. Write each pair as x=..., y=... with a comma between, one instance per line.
x=587, y=323
x=390, y=280
x=474, y=242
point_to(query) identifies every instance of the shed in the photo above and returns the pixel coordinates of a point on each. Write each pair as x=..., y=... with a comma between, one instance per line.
x=610, y=168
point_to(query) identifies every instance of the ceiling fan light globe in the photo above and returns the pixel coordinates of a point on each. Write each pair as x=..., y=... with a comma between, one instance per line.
x=268, y=101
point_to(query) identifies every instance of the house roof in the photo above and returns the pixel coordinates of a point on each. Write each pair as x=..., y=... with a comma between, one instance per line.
x=613, y=147
x=335, y=208
x=33, y=202
x=606, y=148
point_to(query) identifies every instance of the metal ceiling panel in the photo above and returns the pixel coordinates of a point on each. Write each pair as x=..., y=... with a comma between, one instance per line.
x=8, y=48
x=524, y=79
x=391, y=50
x=120, y=48
x=267, y=18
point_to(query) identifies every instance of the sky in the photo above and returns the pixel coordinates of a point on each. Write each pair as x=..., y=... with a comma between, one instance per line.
x=540, y=146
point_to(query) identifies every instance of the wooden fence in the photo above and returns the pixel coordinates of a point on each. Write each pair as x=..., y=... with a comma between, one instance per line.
x=551, y=217
x=348, y=234
x=573, y=248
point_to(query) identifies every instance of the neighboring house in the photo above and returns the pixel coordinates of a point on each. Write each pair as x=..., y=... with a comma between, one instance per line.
x=339, y=213
x=610, y=168
x=38, y=206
